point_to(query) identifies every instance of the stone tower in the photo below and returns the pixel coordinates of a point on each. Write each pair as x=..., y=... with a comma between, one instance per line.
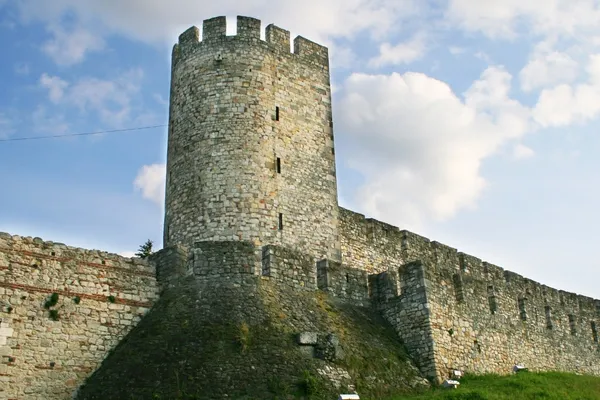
x=250, y=149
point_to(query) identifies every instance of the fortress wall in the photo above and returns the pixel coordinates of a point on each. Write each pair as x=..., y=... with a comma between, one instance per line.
x=368, y=244
x=238, y=104
x=343, y=282
x=487, y=319
x=291, y=267
x=41, y=358
x=402, y=297
x=482, y=317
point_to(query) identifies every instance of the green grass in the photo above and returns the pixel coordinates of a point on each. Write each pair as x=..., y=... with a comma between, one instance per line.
x=525, y=385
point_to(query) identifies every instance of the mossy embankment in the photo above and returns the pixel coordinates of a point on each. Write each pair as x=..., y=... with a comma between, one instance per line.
x=212, y=340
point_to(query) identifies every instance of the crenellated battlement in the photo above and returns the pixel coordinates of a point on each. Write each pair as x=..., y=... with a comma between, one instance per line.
x=214, y=32
x=443, y=259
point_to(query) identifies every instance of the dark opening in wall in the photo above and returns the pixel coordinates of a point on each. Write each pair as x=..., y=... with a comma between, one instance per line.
x=594, y=331
x=333, y=151
x=266, y=266
x=276, y=113
x=492, y=300
x=549, y=324
x=462, y=262
x=522, y=310
x=278, y=165
x=280, y=221
x=572, y=324
x=347, y=278
x=459, y=292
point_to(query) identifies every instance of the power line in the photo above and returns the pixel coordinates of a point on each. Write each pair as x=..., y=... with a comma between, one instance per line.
x=81, y=134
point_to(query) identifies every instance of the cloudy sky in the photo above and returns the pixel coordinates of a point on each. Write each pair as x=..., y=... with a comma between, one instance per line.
x=474, y=123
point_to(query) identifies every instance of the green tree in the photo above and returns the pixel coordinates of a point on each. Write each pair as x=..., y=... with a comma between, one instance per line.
x=145, y=250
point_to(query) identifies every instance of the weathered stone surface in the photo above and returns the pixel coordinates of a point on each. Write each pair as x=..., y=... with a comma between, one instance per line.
x=307, y=338
x=250, y=140
x=454, y=311
x=257, y=251
x=46, y=359
x=194, y=335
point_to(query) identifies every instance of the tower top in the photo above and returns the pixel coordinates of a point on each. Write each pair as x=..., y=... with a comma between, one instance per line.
x=214, y=33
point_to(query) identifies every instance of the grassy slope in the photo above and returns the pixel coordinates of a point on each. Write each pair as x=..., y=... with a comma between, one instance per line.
x=547, y=386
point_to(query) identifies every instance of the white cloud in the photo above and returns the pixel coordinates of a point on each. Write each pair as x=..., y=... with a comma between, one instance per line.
x=56, y=87
x=70, y=47
x=547, y=67
x=565, y=104
x=456, y=50
x=6, y=126
x=159, y=21
x=22, y=69
x=521, y=151
x=49, y=122
x=402, y=53
x=508, y=18
x=419, y=146
x=111, y=100
x=150, y=180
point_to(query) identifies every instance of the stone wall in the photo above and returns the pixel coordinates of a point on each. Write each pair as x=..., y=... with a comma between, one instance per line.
x=476, y=316
x=368, y=244
x=487, y=319
x=250, y=149
x=403, y=299
x=101, y=296
x=291, y=267
x=343, y=282
x=234, y=334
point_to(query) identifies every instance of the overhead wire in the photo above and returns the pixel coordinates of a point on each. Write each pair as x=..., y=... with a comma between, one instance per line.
x=14, y=139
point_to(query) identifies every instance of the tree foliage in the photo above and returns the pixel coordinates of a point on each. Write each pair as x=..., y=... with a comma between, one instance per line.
x=145, y=250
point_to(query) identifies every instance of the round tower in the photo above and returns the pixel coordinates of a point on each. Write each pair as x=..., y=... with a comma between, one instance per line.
x=250, y=149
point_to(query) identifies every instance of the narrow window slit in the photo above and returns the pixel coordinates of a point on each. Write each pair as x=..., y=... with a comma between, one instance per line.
x=280, y=221
x=492, y=300
x=522, y=309
x=549, y=324
x=278, y=165
x=276, y=113
x=459, y=292
x=572, y=324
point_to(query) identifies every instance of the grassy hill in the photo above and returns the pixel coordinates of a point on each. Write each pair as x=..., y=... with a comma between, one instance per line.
x=538, y=386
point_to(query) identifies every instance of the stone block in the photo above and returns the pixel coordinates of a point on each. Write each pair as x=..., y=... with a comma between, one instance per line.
x=307, y=338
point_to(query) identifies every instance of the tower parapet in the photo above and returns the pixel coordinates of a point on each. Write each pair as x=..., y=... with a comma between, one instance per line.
x=214, y=30
x=250, y=151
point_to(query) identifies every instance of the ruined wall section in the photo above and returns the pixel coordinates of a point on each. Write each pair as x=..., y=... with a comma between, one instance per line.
x=250, y=154
x=101, y=296
x=482, y=318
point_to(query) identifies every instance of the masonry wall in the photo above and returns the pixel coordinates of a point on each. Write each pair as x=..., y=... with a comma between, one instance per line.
x=239, y=104
x=479, y=317
x=487, y=319
x=46, y=359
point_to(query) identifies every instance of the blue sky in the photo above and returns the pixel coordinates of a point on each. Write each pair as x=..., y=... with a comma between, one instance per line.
x=472, y=123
